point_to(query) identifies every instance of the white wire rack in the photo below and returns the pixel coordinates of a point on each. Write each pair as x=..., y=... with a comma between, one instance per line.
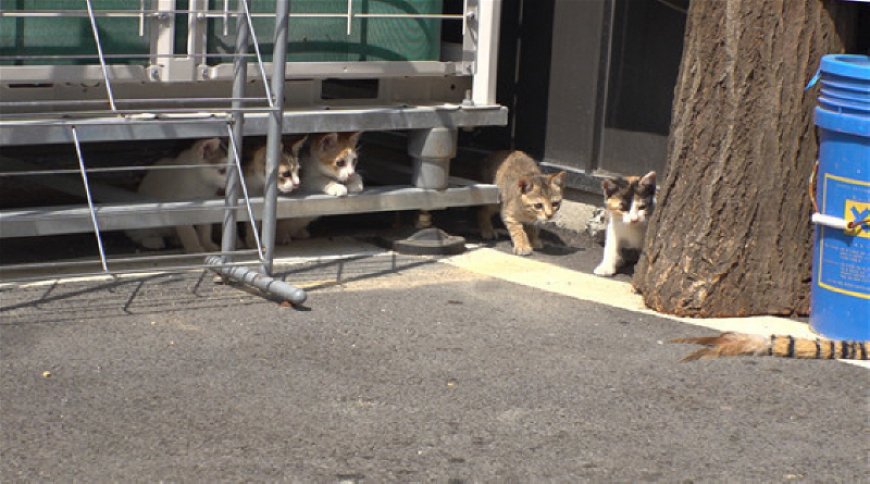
x=176, y=85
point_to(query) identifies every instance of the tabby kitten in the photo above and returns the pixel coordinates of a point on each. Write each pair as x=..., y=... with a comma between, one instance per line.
x=190, y=183
x=528, y=198
x=628, y=203
x=288, y=180
x=328, y=166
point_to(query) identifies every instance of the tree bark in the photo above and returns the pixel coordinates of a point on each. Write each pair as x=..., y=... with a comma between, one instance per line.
x=731, y=234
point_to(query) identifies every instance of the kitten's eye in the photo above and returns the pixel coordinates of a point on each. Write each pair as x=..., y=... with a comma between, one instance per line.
x=539, y=206
x=641, y=206
x=555, y=204
x=285, y=174
x=340, y=163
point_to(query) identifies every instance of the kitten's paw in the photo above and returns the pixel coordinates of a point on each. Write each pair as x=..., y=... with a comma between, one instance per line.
x=153, y=243
x=605, y=270
x=336, y=190
x=522, y=250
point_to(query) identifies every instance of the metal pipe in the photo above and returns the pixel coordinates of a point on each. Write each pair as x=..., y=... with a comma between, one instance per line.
x=226, y=21
x=260, y=281
x=205, y=120
x=78, y=102
x=257, y=48
x=141, y=18
x=100, y=54
x=236, y=132
x=349, y=16
x=273, y=140
x=114, y=56
x=213, y=14
x=150, y=270
x=200, y=112
x=121, y=260
x=90, y=199
x=231, y=206
x=67, y=171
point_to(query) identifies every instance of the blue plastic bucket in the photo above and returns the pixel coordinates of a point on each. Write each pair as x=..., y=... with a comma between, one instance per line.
x=840, y=294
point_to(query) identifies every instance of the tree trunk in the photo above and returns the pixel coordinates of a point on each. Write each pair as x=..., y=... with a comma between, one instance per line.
x=731, y=234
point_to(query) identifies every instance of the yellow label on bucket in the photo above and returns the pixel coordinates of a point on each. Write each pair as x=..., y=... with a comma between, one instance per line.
x=856, y=212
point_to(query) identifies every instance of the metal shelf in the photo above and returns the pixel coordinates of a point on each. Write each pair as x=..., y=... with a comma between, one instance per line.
x=77, y=219
x=357, y=118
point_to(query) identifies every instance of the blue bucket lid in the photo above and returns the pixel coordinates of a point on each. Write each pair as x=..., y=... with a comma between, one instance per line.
x=851, y=123
x=855, y=66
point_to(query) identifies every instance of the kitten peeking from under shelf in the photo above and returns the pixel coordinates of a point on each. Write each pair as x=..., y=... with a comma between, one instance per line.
x=196, y=183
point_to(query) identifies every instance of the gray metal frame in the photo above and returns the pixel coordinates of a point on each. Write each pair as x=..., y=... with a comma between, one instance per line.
x=129, y=110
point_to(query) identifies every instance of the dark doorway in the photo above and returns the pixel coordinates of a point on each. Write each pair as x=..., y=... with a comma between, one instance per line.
x=645, y=52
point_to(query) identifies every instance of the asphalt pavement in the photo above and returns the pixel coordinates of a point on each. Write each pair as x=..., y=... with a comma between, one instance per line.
x=399, y=369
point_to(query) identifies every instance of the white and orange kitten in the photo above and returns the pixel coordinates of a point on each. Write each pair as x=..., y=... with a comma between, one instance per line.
x=328, y=166
x=185, y=184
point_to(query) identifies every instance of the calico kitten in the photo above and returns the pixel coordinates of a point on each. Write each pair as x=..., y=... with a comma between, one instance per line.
x=187, y=183
x=528, y=198
x=288, y=168
x=328, y=166
x=628, y=203
x=288, y=179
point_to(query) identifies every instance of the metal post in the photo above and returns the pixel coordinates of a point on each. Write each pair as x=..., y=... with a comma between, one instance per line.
x=240, y=77
x=273, y=141
x=486, y=60
x=432, y=149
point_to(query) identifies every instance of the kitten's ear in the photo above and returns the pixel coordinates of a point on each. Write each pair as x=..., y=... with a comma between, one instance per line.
x=353, y=139
x=609, y=187
x=558, y=178
x=297, y=145
x=208, y=147
x=328, y=141
x=524, y=185
x=649, y=179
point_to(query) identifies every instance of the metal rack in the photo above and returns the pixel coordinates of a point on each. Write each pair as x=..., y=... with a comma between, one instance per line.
x=106, y=96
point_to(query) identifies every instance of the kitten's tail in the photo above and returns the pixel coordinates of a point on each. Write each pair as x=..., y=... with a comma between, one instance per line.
x=740, y=344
